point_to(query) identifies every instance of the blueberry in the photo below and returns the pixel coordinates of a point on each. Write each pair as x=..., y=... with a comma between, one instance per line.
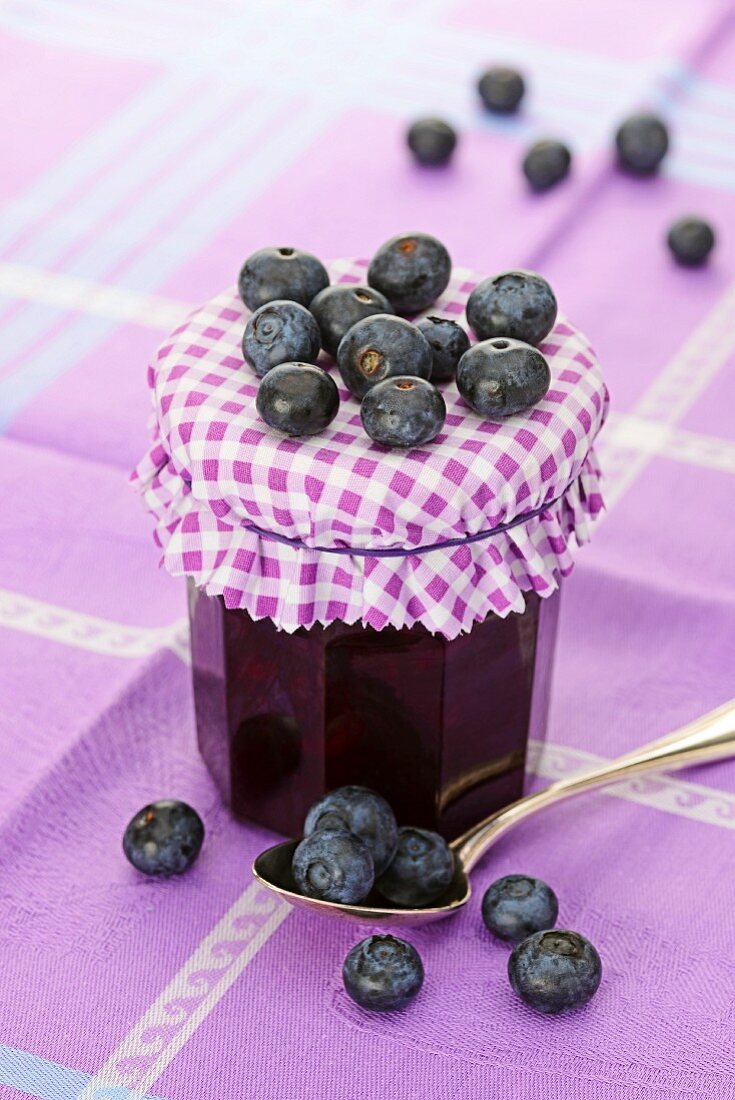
x=691, y=240
x=555, y=971
x=642, y=142
x=280, y=332
x=403, y=412
x=411, y=270
x=297, y=398
x=421, y=871
x=164, y=838
x=516, y=303
x=333, y=865
x=448, y=342
x=546, y=163
x=499, y=378
x=337, y=308
x=432, y=141
x=382, y=347
x=364, y=813
x=277, y=273
x=501, y=89
x=383, y=973
x=516, y=906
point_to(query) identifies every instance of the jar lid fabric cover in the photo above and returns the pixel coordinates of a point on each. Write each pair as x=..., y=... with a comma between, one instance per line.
x=242, y=509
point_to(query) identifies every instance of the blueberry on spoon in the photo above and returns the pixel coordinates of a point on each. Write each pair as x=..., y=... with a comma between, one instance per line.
x=362, y=812
x=421, y=870
x=333, y=865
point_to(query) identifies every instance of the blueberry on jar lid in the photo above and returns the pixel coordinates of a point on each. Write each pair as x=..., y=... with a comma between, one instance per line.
x=281, y=273
x=362, y=812
x=432, y=141
x=337, y=308
x=382, y=347
x=519, y=304
x=501, y=89
x=383, y=973
x=411, y=270
x=448, y=342
x=403, y=412
x=516, y=906
x=545, y=164
x=690, y=240
x=164, y=838
x=642, y=142
x=297, y=399
x=501, y=377
x=555, y=971
x=421, y=869
x=280, y=332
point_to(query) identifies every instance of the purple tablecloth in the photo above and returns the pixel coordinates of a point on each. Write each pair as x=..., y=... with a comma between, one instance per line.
x=149, y=146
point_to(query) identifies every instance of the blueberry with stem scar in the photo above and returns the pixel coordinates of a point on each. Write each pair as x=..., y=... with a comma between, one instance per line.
x=403, y=412
x=520, y=304
x=421, y=870
x=555, y=971
x=277, y=273
x=382, y=347
x=516, y=906
x=333, y=865
x=383, y=973
x=411, y=270
x=499, y=378
x=360, y=811
x=280, y=332
x=337, y=308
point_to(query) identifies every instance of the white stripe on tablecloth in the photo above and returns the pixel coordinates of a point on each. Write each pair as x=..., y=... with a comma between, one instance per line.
x=658, y=792
x=671, y=394
x=175, y=1015
x=73, y=628
x=53, y=288
x=651, y=437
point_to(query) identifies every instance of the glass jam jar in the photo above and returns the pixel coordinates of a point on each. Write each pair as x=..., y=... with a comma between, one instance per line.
x=439, y=727
x=458, y=538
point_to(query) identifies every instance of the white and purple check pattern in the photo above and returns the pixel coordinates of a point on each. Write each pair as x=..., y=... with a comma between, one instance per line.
x=215, y=471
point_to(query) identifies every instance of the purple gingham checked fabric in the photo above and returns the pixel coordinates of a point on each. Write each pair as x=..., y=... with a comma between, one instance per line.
x=216, y=471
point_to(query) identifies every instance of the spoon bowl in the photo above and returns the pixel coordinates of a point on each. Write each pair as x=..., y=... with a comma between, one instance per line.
x=272, y=869
x=711, y=737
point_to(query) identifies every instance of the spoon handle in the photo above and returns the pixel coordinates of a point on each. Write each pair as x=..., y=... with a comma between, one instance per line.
x=711, y=737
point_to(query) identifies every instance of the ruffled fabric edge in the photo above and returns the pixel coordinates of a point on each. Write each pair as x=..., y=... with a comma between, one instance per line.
x=446, y=590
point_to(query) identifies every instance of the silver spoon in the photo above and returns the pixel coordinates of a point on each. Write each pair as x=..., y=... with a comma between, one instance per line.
x=711, y=737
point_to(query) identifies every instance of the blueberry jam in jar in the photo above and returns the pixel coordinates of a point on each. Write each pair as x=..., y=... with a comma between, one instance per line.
x=450, y=550
x=439, y=727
